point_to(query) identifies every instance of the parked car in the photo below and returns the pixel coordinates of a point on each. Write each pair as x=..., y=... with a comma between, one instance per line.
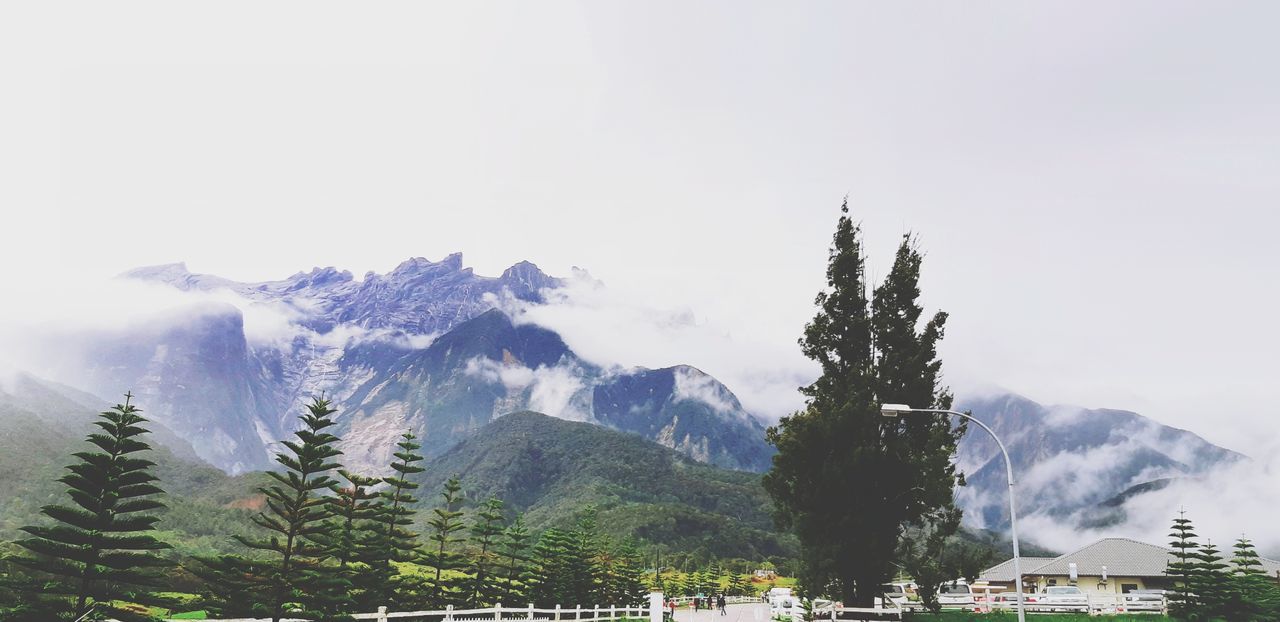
x=1067, y=597
x=956, y=594
x=896, y=592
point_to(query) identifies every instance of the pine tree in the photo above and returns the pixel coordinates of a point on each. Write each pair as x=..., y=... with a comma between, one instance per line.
x=513, y=550
x=1253, y=595
x=738, y=585
x=354, y=543
x=1182, y=570
x=627, y=582
x=393, y=541
x=485, y=530
x=1210, y=582
x=446, y=521
x=290, y=577
x=101, y=548
x=549, y=580
x=870, y=353
x=584, y=560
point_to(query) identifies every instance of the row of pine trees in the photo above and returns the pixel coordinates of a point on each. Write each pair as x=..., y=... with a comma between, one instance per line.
x=329, y=542
x=1208, y=586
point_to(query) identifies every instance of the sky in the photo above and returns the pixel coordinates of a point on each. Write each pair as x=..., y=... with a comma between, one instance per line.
x=1094, y=185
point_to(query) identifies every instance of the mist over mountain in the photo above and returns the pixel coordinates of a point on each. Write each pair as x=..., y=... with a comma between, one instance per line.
x=1075, y=467
x=423, y=348
x=435, y=349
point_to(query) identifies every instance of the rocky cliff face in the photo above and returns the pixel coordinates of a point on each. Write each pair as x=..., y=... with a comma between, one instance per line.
x=420, y=348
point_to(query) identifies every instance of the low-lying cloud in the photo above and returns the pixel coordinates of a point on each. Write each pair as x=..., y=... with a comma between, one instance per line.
x=616, y=331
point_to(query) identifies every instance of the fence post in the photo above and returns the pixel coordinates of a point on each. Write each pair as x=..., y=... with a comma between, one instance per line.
x=595, y=613
x=382, y=614
x=612, y=609
x=497, y=612
x=557, y=612
x=577, y=612
x=448, y=613
x=530, y=617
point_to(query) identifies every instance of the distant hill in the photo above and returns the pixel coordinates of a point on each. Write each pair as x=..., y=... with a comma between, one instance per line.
x=551, y=469
x=1073, y=464
x=42, y=424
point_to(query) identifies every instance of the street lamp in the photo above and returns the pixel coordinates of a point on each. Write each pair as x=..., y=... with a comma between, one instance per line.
x=896, y=410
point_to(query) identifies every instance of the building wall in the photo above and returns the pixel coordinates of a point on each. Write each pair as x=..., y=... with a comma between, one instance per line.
x=1092, y=585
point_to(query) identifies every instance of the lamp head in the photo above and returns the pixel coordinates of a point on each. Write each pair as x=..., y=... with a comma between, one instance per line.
x=894, y=410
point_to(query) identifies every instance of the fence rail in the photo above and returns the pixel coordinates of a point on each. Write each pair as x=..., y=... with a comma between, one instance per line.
x=491, y=614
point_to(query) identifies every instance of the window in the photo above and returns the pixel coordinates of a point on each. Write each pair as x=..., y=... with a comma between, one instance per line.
x=1128, y=587
x=1053, y=581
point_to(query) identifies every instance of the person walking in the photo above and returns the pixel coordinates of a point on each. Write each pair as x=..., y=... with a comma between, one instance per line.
x=720, y=602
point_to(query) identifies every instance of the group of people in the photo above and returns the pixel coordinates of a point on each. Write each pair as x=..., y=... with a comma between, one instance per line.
x=700, y=603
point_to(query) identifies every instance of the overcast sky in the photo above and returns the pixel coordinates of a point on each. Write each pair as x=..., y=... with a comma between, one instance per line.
x=1095, y=184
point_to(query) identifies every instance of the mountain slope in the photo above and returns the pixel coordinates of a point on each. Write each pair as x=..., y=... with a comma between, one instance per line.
x=42, y=424
x=489, y=366
x=421, y=348
x=1069, y=460
x=551, y=469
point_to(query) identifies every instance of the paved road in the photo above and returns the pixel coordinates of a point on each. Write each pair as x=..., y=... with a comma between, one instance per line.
x=746, y=612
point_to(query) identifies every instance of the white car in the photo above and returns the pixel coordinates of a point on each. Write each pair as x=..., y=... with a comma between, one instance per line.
x=895, y=593
x=956, y=594
x=1063, y=597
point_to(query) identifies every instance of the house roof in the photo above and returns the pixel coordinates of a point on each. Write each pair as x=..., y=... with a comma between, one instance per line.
x=1003, y=571
x=1122, y=557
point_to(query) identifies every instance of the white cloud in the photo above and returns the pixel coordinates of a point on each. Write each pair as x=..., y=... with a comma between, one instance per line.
x=556, y=390
x=616, y=330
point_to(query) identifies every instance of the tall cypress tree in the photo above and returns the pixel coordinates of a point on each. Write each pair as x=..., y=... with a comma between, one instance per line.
x=513, y=550
x=291, y=575
x=1182, y=570
x=100, y=549
x=445, y=523
x=870, y=354
x=486, y=528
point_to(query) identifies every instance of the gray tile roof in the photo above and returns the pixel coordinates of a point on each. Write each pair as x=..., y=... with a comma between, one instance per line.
x=1003, y=572
x=1122, y=557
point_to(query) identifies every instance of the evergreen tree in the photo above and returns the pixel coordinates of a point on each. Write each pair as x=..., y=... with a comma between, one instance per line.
x=100, y=549
x=513, y=550
x=1210, y=582
x=290, y=576
x=738, y=585
x=628, y=582
x=1182, y=570
x=1253, y=595
x=485, y=531
x=585, y=560
x=549, y=581
x=870, y=353
x=445, y=523
x=354, y=541
x=394, y=542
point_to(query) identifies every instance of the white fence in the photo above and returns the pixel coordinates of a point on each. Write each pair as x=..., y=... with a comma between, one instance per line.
x=491, y=614
x=1094, y=604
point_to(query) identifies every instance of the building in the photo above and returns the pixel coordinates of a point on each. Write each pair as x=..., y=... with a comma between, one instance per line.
x=1108, y=566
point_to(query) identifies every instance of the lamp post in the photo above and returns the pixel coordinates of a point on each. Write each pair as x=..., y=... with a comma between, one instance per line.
x=895, y=410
